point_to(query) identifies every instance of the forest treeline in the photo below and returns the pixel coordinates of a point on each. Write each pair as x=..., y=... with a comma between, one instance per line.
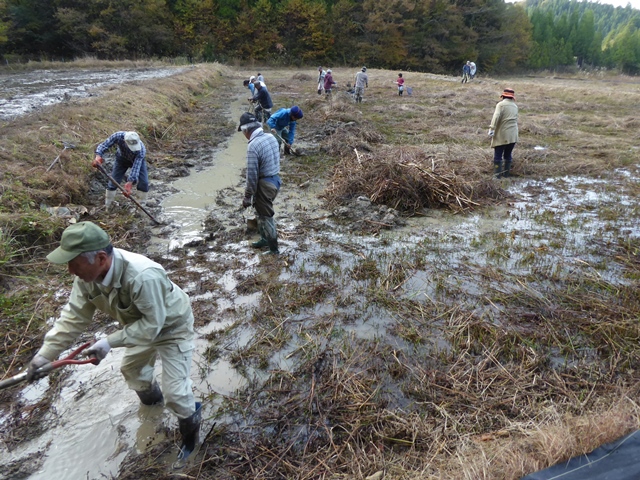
x=427, y=35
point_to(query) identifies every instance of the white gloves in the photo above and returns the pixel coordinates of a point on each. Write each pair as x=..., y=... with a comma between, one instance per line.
x=37, y=362
x=98, y=350
x=491, y=132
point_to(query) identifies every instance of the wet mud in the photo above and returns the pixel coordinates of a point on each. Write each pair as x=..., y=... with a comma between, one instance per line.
x=26, y=92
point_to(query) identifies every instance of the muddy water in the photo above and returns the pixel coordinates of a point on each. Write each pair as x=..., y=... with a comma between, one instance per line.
x=24, y=92
x=188, y=208
x=97, y=420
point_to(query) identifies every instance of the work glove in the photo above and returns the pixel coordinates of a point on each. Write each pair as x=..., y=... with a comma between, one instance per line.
x=127, y=189
x=98, y=350
x=247, y=202
x=97, y=161
x=491, y=132
x=287, y=150
x=37, y=362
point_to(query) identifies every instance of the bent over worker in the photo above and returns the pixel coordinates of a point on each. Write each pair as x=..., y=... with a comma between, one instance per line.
x=504, y=132
x=263, y=102
x=155, y=315
x=283, y=124
x=130, y=155
x=263, y=179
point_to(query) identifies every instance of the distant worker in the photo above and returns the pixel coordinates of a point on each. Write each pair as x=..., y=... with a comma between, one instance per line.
x=466, y=72
x=130, y=155
x=400, y=83
x=362, y=81
x=256, y=81
x=504, y=133
x=472, y=69
x=283, y=125
x=263, y=179
x=321, y=75
x=259, y=77
x=262, y=102
x=249, y=84
x=328, y=82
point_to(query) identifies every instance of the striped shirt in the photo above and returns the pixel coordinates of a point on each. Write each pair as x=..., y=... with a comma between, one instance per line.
x=263, y=159
x=135, y=158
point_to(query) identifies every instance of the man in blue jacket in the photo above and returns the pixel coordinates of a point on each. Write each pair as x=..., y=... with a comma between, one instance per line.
x=466, y=72
x=283, y=125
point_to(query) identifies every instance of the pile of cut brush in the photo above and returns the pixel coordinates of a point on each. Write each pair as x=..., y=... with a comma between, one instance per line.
x=410, y=179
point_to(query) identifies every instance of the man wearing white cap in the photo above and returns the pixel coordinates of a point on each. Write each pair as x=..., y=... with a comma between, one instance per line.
x=130, y=155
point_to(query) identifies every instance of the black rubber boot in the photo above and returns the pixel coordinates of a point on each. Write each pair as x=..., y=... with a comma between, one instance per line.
x=271, y=235
x=507, y=168
x=263, y=241
x=190, y=431
x=153, y=396
x=273, y=248
x=260, y=243
x=497, y=170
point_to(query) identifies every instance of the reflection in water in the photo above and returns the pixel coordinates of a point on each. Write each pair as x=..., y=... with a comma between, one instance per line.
x=148, y=433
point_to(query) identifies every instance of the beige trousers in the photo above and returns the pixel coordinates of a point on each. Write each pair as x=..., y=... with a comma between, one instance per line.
x=138, y=366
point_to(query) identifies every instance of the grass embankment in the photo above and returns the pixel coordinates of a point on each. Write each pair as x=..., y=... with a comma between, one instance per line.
x=168, y=115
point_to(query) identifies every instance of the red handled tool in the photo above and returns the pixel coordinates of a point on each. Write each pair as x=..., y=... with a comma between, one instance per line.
x=68, y=360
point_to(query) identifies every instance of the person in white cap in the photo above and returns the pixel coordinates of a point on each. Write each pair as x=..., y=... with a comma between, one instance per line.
x=130, y=155
x=362, y=80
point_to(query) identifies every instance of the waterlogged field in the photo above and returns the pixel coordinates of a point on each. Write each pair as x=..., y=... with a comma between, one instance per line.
x=471, y=342
x=487, y=341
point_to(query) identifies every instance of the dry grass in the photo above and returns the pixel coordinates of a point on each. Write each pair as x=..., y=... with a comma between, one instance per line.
x=408, y=179
x=448, y=122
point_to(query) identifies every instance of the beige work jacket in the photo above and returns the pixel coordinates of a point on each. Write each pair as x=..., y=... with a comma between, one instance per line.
x=151, y=308
x=505, y=123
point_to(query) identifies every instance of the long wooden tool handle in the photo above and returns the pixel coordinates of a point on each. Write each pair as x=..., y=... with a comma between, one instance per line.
x=129, y=196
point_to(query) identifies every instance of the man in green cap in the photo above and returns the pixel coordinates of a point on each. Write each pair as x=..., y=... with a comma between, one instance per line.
x=155, y=315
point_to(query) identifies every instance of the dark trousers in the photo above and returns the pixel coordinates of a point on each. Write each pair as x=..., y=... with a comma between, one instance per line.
x=120, y=167
x=503, y=151
x=264, y=198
